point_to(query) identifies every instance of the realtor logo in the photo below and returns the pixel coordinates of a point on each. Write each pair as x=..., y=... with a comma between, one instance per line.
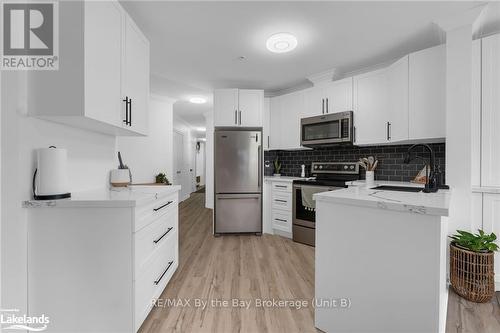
x=29, y=36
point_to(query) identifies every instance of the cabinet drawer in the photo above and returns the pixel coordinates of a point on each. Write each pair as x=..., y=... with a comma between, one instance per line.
x=282, y=201
x=282, y=187
x=282, y=221
x=152, y=237
x=148, y=213
x=150, y=285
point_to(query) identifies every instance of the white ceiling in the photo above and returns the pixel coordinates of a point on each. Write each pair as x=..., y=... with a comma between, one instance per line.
x=195, y=45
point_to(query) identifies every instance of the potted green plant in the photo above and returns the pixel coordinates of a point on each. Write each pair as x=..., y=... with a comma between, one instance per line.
x=471, y=265
x=161, y=178
x=277, y=167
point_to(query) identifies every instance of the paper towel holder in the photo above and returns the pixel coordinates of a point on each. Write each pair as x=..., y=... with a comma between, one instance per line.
x=47, y=197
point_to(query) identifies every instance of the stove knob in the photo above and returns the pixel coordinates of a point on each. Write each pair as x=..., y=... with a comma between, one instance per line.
x=352, y=167
x=346, y=167
x=315, y=167
x=321, y=167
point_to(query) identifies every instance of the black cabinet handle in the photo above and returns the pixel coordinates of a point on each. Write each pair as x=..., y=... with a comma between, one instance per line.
x=279, y=200
x=126, y=121
x=354, y=134
x=268, y=141
x=281, y=186
x=164, y=272
x=281, y=220
x=388, y=131
x=236, y=117
x=166, y=232
x=327, y=105
x=323, y=106
x=162, y=206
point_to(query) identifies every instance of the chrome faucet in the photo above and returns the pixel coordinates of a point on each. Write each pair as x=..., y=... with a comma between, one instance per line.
x=431, y=185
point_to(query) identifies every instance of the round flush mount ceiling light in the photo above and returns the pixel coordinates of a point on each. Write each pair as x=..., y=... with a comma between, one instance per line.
x=281, y=42
x=197, y=100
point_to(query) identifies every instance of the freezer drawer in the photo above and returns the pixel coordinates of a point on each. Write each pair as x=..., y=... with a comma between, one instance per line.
x=238, y=213
x=238, y=166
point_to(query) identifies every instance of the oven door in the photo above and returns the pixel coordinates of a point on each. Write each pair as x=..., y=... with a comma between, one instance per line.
x=326, y=130
x=304, y=211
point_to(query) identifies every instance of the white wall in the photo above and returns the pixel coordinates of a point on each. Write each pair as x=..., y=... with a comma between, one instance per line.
x=209, y=161
x=90, y=157
x=148, y=156
x=189, y=179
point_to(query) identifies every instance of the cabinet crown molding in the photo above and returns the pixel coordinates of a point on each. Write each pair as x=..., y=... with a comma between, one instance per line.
x=323, y=77
x=467, y=17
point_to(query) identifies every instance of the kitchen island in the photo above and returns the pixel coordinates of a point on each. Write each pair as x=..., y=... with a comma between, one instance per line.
x=384, y=254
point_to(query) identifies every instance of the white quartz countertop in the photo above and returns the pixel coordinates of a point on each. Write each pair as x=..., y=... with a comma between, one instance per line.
x=131, y=196
x=419, y=203
x=280, y=179
x=384, y=182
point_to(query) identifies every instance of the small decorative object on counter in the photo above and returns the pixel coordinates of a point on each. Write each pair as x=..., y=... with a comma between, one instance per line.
x=161, y=178
x=303, y=172
x=421, y=177
x=122, y=176
x=277, y=167
x=471, y=265
x=50, y=179
x=369, y=164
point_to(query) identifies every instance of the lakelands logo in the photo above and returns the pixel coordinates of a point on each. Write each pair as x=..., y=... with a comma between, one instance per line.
x=11, y=320
x=30, y=38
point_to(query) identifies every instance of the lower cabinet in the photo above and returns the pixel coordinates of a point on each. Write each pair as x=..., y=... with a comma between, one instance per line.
x=278, y=207
x=99, y=265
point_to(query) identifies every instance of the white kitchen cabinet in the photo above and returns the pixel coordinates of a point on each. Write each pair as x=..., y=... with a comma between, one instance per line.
x=267, y=226
x=370, y=107
x=490, y=111
x=339, y=96
x=427, y=97
x=397, y=89
x=329, y=97
x=238, y=107
x=491, y=223
x=88, y=89
x=281, y=207
x=119, y=249
x=136, y=76
x=103, y=61
x=266, y=124
x=286, y=112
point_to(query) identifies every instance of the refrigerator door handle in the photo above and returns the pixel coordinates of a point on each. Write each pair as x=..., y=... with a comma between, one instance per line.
x=259, y=167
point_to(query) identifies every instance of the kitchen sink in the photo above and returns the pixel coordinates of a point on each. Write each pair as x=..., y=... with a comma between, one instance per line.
x=397, y=188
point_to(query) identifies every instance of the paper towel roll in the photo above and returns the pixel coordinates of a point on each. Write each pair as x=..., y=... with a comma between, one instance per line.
x=52, y=174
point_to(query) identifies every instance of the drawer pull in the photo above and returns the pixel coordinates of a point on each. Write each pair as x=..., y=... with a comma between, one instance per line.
x=166, y=232
x=163, y=206
x=279, y=200
x=281, y=186
x=164, y=272
x=281, y=220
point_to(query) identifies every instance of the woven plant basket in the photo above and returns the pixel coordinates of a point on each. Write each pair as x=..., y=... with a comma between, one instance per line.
x=471, y=274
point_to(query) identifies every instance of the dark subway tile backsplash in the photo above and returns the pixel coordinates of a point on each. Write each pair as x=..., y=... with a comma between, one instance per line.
x=390, y=165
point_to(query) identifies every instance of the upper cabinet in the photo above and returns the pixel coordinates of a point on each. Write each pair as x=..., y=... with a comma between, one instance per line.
x=330, y=97
x=136, y=76
x=427, y=84
x=266, y=123
x=370, y=107
x=103, y=79
x=397, y=101
x=490, y=111
x=285, y=120
x=238, y=107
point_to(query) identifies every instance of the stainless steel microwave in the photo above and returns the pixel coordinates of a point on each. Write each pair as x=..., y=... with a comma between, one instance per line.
x=327, y=130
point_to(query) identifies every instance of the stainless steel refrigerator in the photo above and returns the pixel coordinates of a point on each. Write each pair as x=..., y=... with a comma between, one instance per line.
x=238, y=180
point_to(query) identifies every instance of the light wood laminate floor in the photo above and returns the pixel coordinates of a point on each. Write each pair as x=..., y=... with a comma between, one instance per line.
x=266, y=267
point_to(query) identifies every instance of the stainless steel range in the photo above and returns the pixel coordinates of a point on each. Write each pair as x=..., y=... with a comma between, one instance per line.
x=326, y=176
